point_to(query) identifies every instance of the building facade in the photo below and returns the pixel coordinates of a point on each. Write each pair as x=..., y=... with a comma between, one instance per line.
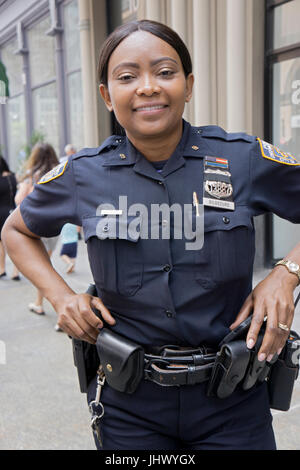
x=246, y=56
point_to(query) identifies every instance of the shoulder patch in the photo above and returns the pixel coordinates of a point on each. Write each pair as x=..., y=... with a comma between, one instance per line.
x=271, y=152
x=56, y=172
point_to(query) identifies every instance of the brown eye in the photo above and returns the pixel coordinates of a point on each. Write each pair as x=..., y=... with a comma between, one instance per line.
x=125, y=78
x=166, y=73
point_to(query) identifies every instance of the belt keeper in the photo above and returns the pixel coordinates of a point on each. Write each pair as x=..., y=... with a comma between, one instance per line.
x=191, y=376
x=197, y=358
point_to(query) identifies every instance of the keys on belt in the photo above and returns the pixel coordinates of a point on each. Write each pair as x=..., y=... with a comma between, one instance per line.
x=96, y=407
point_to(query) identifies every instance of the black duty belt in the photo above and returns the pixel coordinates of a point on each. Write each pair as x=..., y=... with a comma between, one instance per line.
x=174, y=365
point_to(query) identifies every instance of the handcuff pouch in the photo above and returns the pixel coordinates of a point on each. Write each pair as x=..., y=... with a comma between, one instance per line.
x=122, y=361
x=257, y=370
x=229, y=369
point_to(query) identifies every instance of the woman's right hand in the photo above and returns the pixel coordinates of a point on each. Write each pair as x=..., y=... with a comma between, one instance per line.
x=77, y=319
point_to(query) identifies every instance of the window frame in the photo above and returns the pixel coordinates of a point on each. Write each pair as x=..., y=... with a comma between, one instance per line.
x=28, y=19
x=273, y=56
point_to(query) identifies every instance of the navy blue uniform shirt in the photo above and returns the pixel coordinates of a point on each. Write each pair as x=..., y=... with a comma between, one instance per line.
x=159, y=292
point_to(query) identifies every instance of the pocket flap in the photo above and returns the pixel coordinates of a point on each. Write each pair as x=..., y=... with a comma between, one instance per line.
x=214, y=220
x=112, y=227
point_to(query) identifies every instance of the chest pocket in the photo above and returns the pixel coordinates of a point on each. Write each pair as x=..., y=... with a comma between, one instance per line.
x=228, y=250
x=114, y=253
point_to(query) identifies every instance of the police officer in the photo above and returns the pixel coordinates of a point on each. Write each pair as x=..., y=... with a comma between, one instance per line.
x=153, y=290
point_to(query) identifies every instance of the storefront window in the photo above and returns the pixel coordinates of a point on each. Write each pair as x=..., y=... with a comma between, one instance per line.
x=42, y=71
x=283, y=113
x=286, y=19
x=14, y=67
x=286, y=106
x=73, y=74
x=45, y=112
x=15, y=105
x=41, y=53
x=129, y=10
x=16, y=129
x=72, y=40
x=76, y=110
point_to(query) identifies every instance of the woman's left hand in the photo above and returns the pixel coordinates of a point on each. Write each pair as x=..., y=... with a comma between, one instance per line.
x=272, y=297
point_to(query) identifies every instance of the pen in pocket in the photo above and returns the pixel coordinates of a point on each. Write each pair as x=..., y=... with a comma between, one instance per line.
x=196, y=203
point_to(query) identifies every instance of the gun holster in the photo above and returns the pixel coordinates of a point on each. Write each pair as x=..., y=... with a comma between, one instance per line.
x=85, y=356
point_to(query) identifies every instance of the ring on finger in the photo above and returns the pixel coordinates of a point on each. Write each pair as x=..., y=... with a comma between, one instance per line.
x=283, y=326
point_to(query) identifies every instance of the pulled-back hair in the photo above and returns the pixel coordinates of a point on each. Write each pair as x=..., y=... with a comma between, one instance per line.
x=41, y=160
x=3, y=165
x=157, y=29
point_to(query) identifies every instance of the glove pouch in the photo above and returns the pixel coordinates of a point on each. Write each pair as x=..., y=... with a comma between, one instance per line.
x=122, y=361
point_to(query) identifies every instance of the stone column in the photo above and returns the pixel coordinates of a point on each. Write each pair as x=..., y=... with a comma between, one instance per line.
x=202, y=62
x=89, y=87
x=236, y=65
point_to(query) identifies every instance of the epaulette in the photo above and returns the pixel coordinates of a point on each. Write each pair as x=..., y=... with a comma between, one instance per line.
x=219, y=133
x=110, y=143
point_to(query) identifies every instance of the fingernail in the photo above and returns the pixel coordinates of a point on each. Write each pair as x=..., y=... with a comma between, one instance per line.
x=270, y=357
x=250, y=343
x=261, y=357
x=279, y=351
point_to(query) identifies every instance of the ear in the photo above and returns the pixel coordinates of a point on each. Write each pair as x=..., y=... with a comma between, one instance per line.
x=105, y=96
x=189, y=87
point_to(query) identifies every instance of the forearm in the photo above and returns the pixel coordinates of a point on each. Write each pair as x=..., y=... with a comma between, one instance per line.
x=31, y=258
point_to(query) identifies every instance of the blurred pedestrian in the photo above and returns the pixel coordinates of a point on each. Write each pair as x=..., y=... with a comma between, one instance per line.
x=68, y=253
x=69, y=150
x=41, y=160
x=8, y=186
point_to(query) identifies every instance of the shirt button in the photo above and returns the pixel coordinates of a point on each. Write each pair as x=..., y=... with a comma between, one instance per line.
x=167, y=268
x=164, y=223
x=169, y=313
x=226, y=220
x=160, y=182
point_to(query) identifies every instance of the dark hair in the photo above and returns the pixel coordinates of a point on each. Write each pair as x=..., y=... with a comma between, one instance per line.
x=157, y=29
x=41, y=160
x=3, y=165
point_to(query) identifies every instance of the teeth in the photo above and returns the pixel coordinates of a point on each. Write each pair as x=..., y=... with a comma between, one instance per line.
x=150, y=108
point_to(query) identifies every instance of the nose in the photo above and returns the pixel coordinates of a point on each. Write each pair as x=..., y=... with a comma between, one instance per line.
x=147, y=86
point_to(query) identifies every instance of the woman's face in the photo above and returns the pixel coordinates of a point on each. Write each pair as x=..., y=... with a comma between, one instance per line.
x=147, y=88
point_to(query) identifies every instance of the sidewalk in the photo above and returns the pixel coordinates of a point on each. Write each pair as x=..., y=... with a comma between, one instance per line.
x=41, y=404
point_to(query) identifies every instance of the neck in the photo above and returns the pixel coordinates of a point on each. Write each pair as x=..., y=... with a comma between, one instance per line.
x=157, y=148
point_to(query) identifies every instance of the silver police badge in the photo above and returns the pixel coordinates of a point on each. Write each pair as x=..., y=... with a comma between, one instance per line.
x=218, y=189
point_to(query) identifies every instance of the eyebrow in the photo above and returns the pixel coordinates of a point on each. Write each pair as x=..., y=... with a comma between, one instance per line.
x=136, y=66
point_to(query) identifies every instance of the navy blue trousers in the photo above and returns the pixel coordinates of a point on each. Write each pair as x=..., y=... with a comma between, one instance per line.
x=168, y=418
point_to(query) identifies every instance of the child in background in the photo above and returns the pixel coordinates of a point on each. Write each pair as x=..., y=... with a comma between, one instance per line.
x=68, y=253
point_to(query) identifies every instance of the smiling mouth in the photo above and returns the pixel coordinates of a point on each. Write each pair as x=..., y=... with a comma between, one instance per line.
x=150, y=108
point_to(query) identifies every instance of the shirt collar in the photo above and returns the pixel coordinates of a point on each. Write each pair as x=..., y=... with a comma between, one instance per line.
x=125, y=154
